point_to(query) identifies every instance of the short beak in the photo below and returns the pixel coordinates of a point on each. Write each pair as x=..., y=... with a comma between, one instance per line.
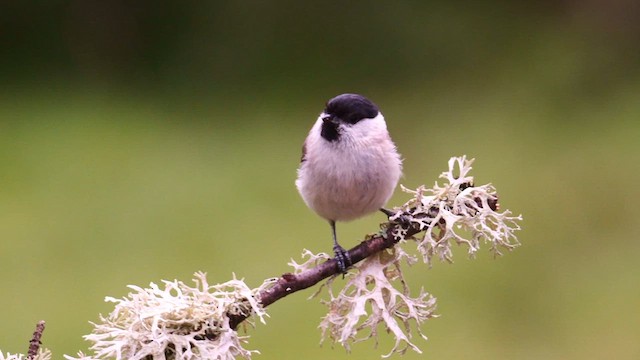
x=329, y=119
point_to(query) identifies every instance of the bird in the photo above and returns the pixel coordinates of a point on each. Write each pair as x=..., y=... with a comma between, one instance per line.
x=350, y=166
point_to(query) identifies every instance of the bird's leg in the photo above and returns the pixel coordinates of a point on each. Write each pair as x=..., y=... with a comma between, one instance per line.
x=341, y=255
x=402, y=219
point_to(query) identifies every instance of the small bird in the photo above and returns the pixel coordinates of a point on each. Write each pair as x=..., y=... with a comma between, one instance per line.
x=349, y=166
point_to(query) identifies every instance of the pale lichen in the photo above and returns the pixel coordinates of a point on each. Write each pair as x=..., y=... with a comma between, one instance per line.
x=43, y=354
x=458, y=211
x=176, y=321
x=377, y=295
x=312, y=261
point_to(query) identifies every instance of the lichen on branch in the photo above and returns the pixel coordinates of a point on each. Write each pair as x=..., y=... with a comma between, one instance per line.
x=176, y=321
x=458, y=212
x=377, y=284
x=43, y=354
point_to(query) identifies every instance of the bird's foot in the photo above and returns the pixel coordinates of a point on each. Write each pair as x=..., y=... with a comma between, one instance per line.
x=342, y=258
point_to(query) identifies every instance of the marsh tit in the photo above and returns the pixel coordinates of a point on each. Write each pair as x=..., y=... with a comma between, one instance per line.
x=349, y=166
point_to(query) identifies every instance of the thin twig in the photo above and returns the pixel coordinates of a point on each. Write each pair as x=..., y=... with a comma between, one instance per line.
x=289, y=283
x=34, y=344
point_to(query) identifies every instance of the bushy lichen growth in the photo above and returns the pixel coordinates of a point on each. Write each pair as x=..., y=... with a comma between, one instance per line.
x=376, y=295
x=458, y=212
x=175, y=321
x=43, y=354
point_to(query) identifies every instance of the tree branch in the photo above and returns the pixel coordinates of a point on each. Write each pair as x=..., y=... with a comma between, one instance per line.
x=290, y=283
x=34, y=344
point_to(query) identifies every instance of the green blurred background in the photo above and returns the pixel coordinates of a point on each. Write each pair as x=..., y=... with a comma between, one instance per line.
x=146, y=141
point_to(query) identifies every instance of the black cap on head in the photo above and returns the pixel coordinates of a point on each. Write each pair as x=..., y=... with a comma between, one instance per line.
x=351, y=108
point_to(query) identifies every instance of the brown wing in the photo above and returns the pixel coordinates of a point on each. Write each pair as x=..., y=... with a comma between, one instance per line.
x=304, y=152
